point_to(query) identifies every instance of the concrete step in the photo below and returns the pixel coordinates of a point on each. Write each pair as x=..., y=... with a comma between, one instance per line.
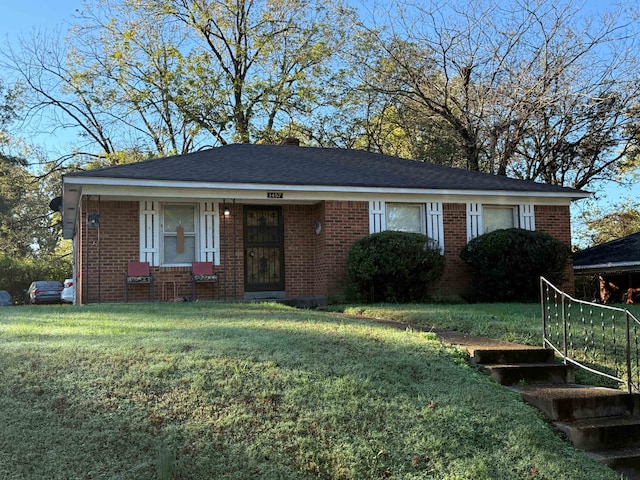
x=530, y=373
x=513, y=355
x=573, y=402
x=625, y=461
x=602, y=433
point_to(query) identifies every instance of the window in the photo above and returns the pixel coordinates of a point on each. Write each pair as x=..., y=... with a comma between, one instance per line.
x=178, y=234
x=425, y=218
x=405, y=217
x=487, y=218
x=498, y=217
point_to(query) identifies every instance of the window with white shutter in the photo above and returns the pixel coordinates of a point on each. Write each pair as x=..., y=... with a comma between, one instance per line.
x=179, y=233
x=527, y=216
x=435, y=227
x=408, y=217
x=474, y=220
x=209, y=237
x=377, y=217
x=149, y=232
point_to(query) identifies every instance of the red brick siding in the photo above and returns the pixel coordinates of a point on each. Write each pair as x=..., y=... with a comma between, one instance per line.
x=231, y=266
x=556, y=221
x=299, y=249
x=344, y=223
x=456, y=277
x=105, y=250
x=315, y=264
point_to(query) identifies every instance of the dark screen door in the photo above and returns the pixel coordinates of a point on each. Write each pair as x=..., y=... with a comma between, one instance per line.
x=263, y=248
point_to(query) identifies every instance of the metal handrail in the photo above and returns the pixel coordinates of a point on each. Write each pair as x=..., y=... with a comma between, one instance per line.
x=583, y=350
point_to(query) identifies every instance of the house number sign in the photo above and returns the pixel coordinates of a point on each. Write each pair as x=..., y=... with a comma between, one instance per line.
x=275, y=195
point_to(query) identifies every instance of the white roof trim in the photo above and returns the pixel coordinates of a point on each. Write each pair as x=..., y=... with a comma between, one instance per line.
x=316, y=188
x=609, y=265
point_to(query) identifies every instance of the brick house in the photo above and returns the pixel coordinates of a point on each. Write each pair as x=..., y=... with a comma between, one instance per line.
x=277, y=221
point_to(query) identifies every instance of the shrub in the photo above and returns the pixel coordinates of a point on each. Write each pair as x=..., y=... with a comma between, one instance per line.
x=507, y=264
x=394, y=266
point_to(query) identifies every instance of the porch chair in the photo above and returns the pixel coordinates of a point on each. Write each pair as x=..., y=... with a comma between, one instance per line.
x=138, y=274
x=202, y=272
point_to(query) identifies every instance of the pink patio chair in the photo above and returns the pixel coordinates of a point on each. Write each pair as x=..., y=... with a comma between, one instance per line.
x=138, y=274
x=202, y=272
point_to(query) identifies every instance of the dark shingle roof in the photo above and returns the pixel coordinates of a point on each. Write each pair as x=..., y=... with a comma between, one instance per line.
x=292, y=165
x=624, y=250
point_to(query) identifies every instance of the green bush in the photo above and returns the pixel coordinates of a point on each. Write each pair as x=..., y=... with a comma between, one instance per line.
x=507, y=264
x=394, y=266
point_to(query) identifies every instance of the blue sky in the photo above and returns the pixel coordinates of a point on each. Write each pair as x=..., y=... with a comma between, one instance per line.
x=22, y=16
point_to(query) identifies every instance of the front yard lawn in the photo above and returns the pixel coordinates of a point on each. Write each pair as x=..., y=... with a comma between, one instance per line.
x=208, y=391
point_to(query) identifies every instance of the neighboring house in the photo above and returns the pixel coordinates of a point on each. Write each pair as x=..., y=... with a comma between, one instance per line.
x=277, y=221
x=617, y=266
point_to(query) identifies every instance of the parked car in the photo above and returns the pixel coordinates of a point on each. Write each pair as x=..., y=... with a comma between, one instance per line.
x=44, y=291
x=5, y=299
x=69, y=291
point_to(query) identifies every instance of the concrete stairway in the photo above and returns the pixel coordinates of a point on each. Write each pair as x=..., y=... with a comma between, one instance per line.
x=604, y=422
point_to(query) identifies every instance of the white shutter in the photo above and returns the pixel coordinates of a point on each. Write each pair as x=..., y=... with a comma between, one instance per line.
x=149, y=232
x=474, y=220
x=435, y=227
x=209, y=233
x=377, y=218
x=527, y=216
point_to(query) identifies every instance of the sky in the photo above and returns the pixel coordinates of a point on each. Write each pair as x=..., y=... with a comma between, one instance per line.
x=23, y=17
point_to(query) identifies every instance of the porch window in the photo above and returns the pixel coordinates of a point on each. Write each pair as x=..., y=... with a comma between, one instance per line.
x=178, y=234
x=405, y=217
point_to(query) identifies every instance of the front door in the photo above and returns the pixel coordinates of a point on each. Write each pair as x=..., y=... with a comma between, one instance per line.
x=263, y=249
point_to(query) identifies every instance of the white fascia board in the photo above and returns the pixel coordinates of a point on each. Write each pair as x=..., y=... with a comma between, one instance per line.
x=97, y=186
x=70, y=209
x=607, y=266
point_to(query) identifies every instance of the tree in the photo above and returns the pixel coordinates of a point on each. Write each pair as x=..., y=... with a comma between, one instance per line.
x=28, y=227
x=530, y=89
x=161, y=77
x=621, y=220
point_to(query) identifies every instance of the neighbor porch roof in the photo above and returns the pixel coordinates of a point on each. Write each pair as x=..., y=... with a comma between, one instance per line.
x=621, y=255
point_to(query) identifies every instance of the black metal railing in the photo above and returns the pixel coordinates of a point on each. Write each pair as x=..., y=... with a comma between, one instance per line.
x=598, y=338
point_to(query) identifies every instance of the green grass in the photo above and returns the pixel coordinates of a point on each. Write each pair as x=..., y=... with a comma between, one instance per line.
x=514, y=322
x=205, y=391
x=522, y=323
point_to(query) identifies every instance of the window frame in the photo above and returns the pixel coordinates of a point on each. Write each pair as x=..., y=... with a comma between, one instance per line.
x=423, y=219
x=195, y=234
x=515, y=215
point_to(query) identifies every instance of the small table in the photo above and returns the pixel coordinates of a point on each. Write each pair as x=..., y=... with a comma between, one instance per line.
x=165, y=289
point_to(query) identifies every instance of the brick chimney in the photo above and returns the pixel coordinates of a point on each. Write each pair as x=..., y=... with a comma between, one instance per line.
x=291, y=141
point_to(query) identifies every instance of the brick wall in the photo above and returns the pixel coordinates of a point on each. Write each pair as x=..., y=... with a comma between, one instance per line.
x=231, y=266
x=299, y=249
x=456, y=277
x=103, y=253
x=344, y=223
x=315, y=263
x=556, y=221
x=105, y=250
